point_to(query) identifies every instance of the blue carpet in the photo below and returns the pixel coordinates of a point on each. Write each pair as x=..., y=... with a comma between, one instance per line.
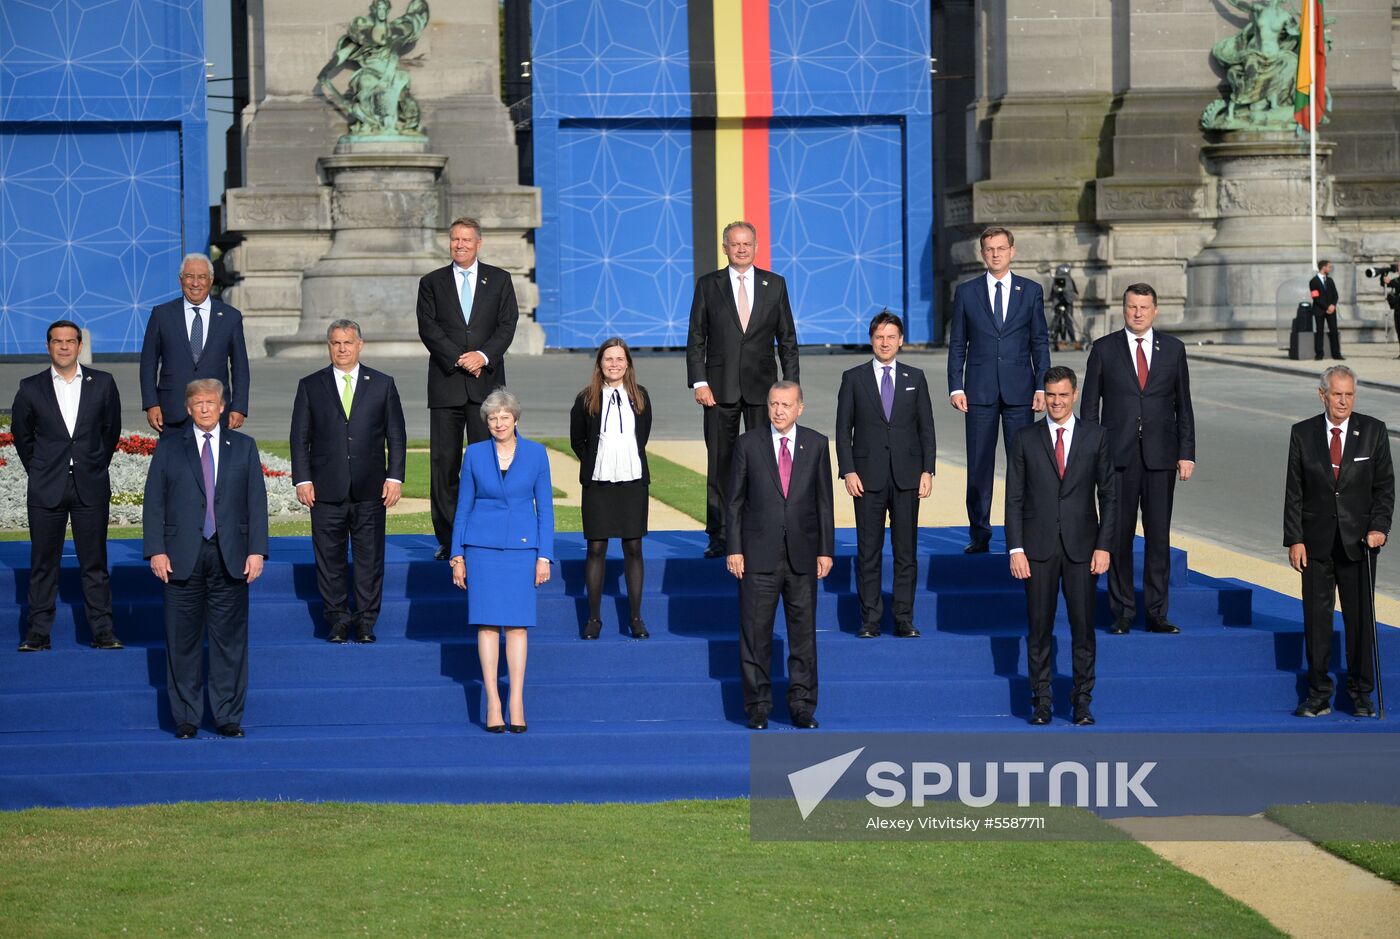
x=609, y=720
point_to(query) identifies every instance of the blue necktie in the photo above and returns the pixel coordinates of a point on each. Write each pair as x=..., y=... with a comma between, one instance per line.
x=997, y=307
x=887, y=392
x=196, y=335
x=465, y=296
x=207, y=459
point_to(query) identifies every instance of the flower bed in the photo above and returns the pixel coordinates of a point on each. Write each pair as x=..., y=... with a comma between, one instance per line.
x=129, y=467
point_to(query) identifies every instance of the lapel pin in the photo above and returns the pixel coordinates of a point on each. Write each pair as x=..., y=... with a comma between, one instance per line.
x=218, y=312
x=1356, y=433
x=764, y=283
x=482, y=279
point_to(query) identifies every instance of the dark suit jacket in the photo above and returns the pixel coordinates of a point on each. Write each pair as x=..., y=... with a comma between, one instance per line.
x=514, y=511
x=1043, y=511
x=45, y=449
x=448, y=334
x=992, y=361
x=584, y=429
x=167, y=365
x=768, y=529
x=737, y=364
x=173, y=513
x=1323, y=295
x=902, y=447
x=1160, y=414
x=345, y=458
x=1362, y=499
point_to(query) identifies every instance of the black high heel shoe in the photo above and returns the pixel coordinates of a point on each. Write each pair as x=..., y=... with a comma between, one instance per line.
x=495, y=728
x=639, y=629
x=593, y=628
x=516, y=728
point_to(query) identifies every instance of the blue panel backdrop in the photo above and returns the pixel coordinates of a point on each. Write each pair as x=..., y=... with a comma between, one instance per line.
x=102, y=133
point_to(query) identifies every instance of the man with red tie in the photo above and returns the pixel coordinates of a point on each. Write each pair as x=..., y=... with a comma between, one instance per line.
x=1337, y=509
x=1137, y=386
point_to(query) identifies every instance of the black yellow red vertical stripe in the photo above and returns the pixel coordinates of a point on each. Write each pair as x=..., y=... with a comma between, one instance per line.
x=731, y=95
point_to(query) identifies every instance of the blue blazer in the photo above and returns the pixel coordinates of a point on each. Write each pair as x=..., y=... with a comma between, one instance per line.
x=167, y=365
x=993, y=361
x=514, y=511
x=173, y=513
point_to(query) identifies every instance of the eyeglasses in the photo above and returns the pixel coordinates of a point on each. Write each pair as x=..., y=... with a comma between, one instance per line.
x=196, y=278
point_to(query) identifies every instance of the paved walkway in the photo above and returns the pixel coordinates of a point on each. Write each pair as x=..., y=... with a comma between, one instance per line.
x=1376, y=364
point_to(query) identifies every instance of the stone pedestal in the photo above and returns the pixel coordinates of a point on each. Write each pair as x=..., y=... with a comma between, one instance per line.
x=1250, y=278
x=385, y=204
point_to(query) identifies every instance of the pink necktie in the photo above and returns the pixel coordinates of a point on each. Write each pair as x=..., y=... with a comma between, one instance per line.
x=784, y=465
x=743, y=302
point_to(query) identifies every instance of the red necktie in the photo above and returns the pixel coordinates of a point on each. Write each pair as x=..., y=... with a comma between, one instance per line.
x=784, y=465
x=1336, y=453
x=1142, y=367
x=1060, y=449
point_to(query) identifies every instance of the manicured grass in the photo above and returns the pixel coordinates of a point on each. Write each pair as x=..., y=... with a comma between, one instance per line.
x=680, y=488
x=681, y=868
x=1366, y=835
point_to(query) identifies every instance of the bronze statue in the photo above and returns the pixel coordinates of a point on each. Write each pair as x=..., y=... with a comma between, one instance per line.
x=378, y=103
x=1261, y=65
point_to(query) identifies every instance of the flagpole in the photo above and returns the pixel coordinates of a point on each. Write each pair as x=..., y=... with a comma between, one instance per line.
x=1313, y=26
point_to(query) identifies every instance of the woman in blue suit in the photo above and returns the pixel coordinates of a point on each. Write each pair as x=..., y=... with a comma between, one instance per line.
x=503, y=540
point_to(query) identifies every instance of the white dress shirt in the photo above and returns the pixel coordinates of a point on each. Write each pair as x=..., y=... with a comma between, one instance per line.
x=1327, y=423
x=791, y=436
x=880, y=371
x=468, y=274
x=69, y=393
x=205, y=311
x=1005, y=293
x=1146, y=347
x=734, y=278
x=618, y=460
x=1068, y=425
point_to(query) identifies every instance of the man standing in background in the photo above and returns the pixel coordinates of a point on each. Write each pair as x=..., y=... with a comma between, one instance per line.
x=1324, y=300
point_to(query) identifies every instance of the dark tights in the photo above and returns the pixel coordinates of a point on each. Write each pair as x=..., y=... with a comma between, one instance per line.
x=631, y=568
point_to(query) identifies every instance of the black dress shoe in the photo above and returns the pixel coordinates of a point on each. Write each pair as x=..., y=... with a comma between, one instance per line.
x=976, y=547
x=364, y=635
x=441, y=553
x=34, y=642
x=714, y=549
x=106, y=641
x=1041, y=715
x=592, y=629
x=337, y=634
x=186, y=732
x=639, y=629
x=868, y=631
x=804, y=722
x=1163, y=627
x=1313, y=706
x=758, y=722
x=516, y=728
x=906, y=631
x=1121, y=626
x=1083, y=717
x=231, y=729
x=1361, y=704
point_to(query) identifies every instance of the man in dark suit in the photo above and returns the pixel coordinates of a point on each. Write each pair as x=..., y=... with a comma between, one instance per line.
x=191, y=337
x=738, y=313
x=998, y=351
x=1137, y=386
x=205, y=534
x=342, y=420
x=782, y=537
x=1337, y=509
x=466, y=319
x=1324, y=303
x=885, y=452
x=1059, y=469
x=66, y=421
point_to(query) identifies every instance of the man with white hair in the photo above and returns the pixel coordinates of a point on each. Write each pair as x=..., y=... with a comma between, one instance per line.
x=191, y=337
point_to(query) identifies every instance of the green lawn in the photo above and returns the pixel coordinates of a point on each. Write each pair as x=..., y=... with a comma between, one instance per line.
x=1366, y=835
x=681, y=488
x=681, y=868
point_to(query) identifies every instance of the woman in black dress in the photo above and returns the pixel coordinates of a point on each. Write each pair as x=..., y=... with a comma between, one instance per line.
x=608, y=427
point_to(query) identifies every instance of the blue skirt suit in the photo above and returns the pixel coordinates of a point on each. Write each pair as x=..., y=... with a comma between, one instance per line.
x=504, y=524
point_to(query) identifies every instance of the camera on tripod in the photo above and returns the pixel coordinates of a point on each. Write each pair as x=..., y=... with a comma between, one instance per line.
x=1062, y=297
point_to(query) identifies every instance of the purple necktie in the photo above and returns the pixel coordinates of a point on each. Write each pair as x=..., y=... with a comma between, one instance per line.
x=784, y=465
x=887, y=392
x=207, y=459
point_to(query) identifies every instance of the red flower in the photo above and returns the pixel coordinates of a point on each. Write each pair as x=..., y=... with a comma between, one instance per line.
x=7, y=439
x=272, y=473
x=137, y=444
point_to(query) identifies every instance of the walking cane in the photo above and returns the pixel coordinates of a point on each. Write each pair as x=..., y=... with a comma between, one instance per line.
x=1370, y=566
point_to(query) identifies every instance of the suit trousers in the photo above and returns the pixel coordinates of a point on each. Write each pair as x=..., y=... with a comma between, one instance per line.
x=981, y=427
x=46, y=530
x=208, y=600
x=1321, y=321
x=445, y=427
x=1323, y=581
x=758, y=604
x=902, y=506
x=1154, y=491
x=721, y=430
x=1048, y=579
x=359, y=526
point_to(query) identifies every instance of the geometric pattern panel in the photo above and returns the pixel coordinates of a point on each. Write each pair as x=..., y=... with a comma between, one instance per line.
x=838, y=222
x=89, y=230
x=624, y=232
